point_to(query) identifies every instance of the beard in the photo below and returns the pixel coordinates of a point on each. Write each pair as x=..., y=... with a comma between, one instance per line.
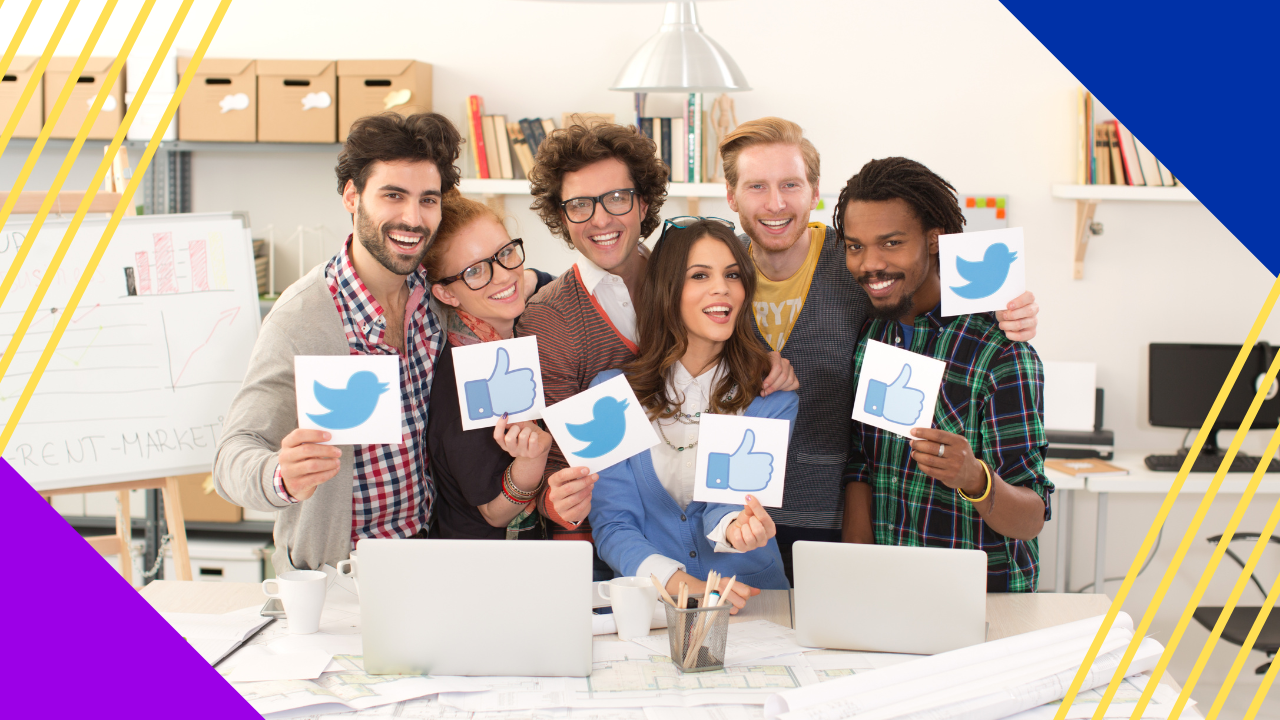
x=895, y=311
x=772, y=243
x=375, y=240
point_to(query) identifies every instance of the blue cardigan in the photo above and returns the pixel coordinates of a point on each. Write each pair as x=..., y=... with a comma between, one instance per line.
x=633, y=516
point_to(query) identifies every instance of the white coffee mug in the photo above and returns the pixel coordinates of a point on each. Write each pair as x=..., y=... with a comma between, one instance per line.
x=302, y=593
x=633, y=600
x=349, y=568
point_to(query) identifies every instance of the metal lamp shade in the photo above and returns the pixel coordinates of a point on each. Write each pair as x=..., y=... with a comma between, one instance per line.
x=680, y=58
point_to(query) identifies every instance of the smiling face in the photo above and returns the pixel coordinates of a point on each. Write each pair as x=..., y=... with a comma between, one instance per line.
x=396, y=215
x=502, y=300
x=713, y=293
x=607, y=240
x=773, y=197
x=892, y=257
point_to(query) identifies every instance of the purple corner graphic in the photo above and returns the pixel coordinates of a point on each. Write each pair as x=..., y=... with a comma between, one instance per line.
x=86, y=643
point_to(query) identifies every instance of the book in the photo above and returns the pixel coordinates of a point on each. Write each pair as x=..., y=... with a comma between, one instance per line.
x=1087, y=133
x=519, y=145
x=1165, y=175
x=1102, y=153
x=695, y=138
x=664, y=148
x=1092, y=467
x=1083, y=100
x=1150, y=168
x=504, y=146
x=475, y=111
x=679, y=151
x=535, y=134
x=1117, y=165
x=1129, y=155
x=549, y=126
x=491, y=147
x=526, y=128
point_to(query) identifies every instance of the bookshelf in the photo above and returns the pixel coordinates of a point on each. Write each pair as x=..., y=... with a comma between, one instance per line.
x=1087, y=198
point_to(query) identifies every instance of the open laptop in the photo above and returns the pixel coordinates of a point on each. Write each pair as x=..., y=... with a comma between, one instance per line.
x=476, y=607
x=885, y=598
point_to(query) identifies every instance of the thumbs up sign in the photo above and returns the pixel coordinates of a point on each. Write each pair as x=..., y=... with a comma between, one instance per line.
x=896, y=402
x=506, y=391
x=744, y=470
x=752, y=528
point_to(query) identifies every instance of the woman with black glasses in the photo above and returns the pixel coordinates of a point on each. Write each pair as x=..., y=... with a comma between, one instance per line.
x=485, y=481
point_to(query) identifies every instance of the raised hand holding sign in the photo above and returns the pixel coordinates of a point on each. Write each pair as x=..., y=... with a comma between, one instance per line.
x=497, y=378
x=900, y=404
x=739, y=455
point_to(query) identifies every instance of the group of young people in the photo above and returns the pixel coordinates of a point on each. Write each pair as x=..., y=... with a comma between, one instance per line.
x=765, y=315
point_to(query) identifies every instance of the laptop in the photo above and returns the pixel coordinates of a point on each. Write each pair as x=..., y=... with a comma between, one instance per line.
x=885, y=598
x=476, y=607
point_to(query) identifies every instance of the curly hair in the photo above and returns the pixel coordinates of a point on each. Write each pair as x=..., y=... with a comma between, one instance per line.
x=388, y=137
x=932, y=199
x=664, y=337
x=456, y=214
x=572, y=148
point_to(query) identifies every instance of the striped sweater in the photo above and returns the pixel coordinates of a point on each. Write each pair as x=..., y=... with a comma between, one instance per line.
x=576, y=342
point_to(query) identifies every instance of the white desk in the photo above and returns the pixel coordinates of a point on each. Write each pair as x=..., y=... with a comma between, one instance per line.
x=1142, y=480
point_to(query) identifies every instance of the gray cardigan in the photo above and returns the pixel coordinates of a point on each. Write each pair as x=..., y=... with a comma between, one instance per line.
x=317, y=530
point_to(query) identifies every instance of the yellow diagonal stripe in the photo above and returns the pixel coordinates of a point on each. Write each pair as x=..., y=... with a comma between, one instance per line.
x=1219, y=551
x=34, y=83
x=112, y=224
x=1169, y=499
x=18, y=35
x=1270, y=677
x=1188, y=538
x=1241, y=583
x=51, y=197
x=51, y=118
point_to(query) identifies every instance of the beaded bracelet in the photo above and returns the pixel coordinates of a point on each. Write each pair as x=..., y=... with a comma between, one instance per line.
x=977, y=500
x=515, y=494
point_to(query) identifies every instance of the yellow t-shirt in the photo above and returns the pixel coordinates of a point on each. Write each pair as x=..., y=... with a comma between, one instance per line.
x=778, y=303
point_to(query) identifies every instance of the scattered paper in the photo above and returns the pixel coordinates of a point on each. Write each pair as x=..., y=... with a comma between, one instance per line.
x=897, y=389
x=981, y=271
x=497, y=378
x=601, y=426
x=740, y=456
x=213, y=636
x=356, y=398
x=267, y=665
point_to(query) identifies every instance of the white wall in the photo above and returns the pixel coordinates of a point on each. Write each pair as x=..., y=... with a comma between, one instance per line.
x=960, y=86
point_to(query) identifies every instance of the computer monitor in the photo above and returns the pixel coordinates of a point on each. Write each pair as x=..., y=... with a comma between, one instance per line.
x=1184, y=381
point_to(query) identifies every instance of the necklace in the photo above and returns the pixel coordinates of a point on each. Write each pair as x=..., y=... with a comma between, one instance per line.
x=677, y=447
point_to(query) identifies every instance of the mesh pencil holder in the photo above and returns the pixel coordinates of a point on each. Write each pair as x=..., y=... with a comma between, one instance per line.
x=698, y=636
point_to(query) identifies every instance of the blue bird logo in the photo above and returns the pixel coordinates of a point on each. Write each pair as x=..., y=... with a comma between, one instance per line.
x=350, y=406
x=985, y=276
x=606, y=429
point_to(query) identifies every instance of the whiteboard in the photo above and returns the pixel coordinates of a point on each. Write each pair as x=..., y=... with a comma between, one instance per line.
x=153, y=355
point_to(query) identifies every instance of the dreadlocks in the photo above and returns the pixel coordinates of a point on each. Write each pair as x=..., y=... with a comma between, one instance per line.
x=932, y=199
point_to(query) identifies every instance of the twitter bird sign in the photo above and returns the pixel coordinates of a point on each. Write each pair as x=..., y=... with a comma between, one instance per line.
x=356, y=398
x=740, y=456
x=503, y=376
x=981, y=271
x=897, y=389
x=601, y=426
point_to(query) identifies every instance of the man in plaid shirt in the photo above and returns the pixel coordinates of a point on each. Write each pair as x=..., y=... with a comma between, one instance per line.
x=976, y=479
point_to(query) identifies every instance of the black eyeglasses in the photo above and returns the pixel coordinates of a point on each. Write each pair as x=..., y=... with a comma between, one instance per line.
x=615, y=202
x=480, y=273
x=685, y=221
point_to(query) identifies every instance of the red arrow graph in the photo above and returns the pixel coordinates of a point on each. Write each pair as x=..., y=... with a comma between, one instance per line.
x=228, y=315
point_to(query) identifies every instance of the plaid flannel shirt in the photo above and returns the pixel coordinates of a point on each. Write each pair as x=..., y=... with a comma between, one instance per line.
x=992, y=394
x=392, y=490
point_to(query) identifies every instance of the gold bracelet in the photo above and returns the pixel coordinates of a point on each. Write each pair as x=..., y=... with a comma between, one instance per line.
x=977, y=500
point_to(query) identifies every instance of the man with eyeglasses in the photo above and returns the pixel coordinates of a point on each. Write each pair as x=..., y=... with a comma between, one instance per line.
x=367, y=300
x=600, y=188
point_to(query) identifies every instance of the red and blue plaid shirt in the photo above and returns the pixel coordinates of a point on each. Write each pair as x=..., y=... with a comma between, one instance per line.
x=992, y=394
x=392, y=487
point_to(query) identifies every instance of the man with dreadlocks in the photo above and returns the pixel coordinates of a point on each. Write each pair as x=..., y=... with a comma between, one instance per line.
x=976, y=479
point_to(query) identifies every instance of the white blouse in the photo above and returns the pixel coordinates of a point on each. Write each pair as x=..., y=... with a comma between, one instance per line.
x=675, y=468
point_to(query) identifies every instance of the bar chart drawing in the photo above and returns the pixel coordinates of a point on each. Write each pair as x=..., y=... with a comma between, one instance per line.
x=162, y=271
x=166, y=273
x=142, y=273
x=199, y=265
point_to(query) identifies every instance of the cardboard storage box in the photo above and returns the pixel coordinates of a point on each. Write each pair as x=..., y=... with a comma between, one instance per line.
x=221, y=103
x=369, y=87
x=15, y=80
x=297, y=101
x=86, y=89
x=201, y=503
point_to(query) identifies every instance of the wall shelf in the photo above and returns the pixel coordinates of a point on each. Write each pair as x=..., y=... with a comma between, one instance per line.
x=1087, y=198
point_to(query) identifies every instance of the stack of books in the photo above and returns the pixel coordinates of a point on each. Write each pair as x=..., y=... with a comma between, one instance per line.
x=1110, y=155
x=501, y=149
x=680, y=140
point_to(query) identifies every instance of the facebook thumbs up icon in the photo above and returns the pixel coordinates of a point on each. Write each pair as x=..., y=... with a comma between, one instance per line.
x=896, y=402
x=506, y=391
x=744, y=470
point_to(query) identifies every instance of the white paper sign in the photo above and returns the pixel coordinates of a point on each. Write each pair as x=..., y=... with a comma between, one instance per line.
x=740, y=456
x=354, y=397
x=503, y=376
x=981, y=271
x=897, y=389
x=601, y=426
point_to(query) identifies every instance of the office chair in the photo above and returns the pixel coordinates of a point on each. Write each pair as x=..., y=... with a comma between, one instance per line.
x=1242, y=618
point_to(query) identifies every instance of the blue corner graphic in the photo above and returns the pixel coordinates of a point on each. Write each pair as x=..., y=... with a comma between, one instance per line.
x=604, y=431
x=896, y=402
x=506, y=390
x=744, y=470
x=985, y=276
x=349, y=406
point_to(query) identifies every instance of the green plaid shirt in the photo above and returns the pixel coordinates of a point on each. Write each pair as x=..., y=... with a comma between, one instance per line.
x=992, y=394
